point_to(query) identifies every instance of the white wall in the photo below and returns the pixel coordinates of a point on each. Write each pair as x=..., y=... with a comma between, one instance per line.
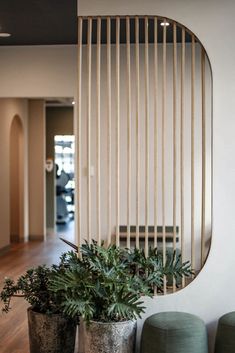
x=212, y=293
x=38, y=71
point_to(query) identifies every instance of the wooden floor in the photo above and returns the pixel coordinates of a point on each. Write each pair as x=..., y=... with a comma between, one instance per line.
x=13, y=326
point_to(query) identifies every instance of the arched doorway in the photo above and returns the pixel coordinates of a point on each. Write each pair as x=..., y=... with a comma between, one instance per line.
x=16, y=181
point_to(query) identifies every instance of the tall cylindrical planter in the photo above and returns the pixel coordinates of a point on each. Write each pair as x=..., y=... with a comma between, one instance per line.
x=115, y=337
x=50, y=333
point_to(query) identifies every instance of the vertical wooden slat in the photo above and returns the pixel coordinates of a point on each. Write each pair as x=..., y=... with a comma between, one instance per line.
x=146, y=135
x=118, y=129
x=182, y=112
x=155, y=127
x=128, y=65
x=109, y=123
x=98, y=61
x=137, y=60
x=155, y=97
x=174, y=137
x=89, y=33
x=79, y=110
x=163, y=146
x=192, y=152
x=203, y=216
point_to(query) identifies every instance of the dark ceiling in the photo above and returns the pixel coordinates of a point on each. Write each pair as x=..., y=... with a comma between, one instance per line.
x=48, y=22
x=38, y=22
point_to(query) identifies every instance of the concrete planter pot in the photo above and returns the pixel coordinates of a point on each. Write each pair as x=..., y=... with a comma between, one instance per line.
x=115, y=337
x=50, y=333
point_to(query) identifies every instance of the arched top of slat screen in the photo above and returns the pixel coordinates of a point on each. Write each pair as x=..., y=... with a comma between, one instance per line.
x=141, y=21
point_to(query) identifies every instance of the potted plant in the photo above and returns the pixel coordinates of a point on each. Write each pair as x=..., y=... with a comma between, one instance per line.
x=50, y=331
x=105, y=287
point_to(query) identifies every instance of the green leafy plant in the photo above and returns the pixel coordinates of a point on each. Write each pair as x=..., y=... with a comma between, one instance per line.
x=33, y=286
x=154, y=268
x=102, y=284
x=107, y=284
x=99, y=286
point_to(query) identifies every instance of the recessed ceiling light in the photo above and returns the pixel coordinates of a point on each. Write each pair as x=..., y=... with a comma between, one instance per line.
x=4, y=34
x=73, y=102
x=165, y=23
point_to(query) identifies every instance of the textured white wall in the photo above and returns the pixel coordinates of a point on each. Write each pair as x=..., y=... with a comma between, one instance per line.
x=212, y=293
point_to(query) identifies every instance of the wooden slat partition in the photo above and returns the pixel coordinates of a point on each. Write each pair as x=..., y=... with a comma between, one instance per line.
x=137, y=60
x=117, y=130
x=98, y=180
x=79, y=133
x=109, y=125
x=89, y=33
x=156, y=128
x=146, y=135
x=203, y=225
x=128, y=66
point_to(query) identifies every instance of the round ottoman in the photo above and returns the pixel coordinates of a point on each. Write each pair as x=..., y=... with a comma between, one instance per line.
x=225, y=336
x=174, y=332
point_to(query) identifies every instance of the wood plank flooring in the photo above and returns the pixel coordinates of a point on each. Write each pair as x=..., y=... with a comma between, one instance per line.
x=13, y=326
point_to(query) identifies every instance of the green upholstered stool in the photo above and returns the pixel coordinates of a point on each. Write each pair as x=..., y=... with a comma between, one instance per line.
x=174, y=332
x=225, y=336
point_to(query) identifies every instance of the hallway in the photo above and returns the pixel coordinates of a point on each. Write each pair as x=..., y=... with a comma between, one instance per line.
x=13, y=326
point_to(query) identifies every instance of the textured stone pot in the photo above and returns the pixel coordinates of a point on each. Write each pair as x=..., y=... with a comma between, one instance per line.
x=115, y=337
x=50, y=333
